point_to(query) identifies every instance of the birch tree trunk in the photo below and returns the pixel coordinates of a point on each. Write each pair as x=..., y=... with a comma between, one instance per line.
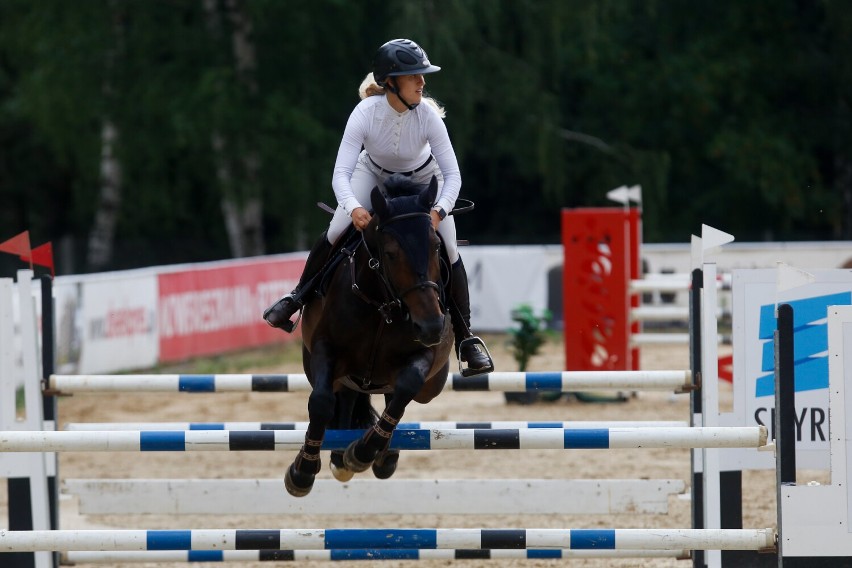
x=100, y=246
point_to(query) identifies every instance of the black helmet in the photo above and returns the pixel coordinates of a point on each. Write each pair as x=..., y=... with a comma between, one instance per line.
x=401, y=57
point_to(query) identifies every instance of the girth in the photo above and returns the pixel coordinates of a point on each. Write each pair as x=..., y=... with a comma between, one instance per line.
x=363, y=385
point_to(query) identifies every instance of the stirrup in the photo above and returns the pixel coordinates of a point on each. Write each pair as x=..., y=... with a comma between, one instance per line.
x=287, y=325
x=467, y=371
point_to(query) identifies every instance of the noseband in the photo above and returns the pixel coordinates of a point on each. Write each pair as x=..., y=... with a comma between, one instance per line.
x=393, y=298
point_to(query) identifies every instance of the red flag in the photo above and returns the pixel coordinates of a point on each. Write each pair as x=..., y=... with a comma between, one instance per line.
x=19, y=245
x=42, y=255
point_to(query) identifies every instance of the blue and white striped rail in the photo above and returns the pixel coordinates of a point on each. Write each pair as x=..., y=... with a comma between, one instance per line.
x=564, y=381
x=145, y=556
x=390, y=538
x=432, y=425
x=475, y=439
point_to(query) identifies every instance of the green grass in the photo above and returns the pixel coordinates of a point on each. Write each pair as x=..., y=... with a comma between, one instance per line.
x=286, y=355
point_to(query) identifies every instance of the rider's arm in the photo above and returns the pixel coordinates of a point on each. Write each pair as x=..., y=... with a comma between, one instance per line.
x=347, y=156
x=443, y=151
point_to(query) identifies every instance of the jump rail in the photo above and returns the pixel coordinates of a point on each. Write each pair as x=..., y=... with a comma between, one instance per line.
x=564, y=381
x=431, y=425
x=390, y=538
x=471, y=439
x=146, y=556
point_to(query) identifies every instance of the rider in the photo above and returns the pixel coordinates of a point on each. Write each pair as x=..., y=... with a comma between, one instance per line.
x=398, y=134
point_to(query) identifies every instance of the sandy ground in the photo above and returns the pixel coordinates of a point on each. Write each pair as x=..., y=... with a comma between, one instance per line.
x=759, y=508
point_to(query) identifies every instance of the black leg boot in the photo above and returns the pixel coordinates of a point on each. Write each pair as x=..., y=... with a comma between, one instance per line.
x=279, y=314
x=469, y=348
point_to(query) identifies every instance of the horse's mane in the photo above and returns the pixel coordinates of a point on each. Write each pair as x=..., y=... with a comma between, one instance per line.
x=399, y=185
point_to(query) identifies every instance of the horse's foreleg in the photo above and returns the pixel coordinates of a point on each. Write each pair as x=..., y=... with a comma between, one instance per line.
x=386, y=460
x=299, y=479
x=363, y=452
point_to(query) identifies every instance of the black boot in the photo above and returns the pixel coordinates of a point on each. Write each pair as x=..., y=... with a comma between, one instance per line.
x=469, y=348
x=279, y=314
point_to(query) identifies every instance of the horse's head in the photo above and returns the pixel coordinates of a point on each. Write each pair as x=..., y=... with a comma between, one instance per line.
x=408, y=251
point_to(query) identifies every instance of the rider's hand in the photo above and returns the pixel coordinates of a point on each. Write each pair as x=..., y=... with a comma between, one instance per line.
x=361, y=218
x=435, y=219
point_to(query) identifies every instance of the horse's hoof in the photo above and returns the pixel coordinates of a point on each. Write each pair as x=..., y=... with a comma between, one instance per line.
x=338, y=469
x=385, y=464
x=296, y=483
x=351, y=462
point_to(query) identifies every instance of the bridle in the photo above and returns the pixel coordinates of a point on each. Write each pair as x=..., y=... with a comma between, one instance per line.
x=393, y=299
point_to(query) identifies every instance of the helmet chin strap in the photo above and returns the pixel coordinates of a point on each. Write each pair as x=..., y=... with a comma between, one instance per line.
x=395, y=91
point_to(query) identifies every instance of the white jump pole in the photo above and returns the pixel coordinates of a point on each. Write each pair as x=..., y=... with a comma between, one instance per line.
x=286, y=440
x=330, y=539
x=146, y=556
x=564, y=381
x=427, y=425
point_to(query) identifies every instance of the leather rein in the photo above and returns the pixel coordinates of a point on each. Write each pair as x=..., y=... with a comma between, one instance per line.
x=392, y=298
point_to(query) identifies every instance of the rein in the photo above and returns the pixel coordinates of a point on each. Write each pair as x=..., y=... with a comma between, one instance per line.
x=392, y=299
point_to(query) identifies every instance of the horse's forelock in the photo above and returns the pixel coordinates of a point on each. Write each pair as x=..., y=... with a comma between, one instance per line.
x=399, y=185
x=404, y=197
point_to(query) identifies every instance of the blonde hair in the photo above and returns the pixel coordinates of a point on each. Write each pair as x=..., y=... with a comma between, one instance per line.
x=369, y=88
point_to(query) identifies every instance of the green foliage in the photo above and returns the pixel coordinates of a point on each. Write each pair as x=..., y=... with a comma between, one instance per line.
x=550, y=104
x=526, y=340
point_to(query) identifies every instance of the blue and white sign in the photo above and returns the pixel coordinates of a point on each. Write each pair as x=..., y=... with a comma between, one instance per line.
x=756, y=295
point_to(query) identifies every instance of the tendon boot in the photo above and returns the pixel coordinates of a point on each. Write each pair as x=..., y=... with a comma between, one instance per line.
x=279, y=314
x=470, y=349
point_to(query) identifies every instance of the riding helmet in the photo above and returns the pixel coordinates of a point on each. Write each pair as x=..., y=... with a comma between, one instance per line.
x=401, y=57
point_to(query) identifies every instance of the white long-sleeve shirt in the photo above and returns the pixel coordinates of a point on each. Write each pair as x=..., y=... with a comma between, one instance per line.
x=396, y=141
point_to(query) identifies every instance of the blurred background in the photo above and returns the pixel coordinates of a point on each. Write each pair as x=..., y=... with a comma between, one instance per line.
x=148, y=132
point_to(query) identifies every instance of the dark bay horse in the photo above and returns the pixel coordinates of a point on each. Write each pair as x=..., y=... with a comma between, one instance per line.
x=380, y=327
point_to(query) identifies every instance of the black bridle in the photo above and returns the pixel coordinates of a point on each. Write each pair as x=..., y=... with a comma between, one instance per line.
x=393, y=299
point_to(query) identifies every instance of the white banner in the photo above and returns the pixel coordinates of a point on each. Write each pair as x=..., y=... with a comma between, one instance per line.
x=501, y=278
x=111, y=323
x=756, y=295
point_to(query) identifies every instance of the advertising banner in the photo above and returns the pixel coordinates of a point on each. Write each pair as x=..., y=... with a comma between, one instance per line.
x=108, y=324
x=213, y=309
x=756, y=295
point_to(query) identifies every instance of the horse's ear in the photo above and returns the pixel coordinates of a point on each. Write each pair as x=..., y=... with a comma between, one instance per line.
x=428, y=197
x=380, y=204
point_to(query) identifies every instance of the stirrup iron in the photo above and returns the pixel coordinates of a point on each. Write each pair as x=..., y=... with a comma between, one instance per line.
x=466, y=371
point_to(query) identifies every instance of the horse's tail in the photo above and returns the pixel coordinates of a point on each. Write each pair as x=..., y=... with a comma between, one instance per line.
x=363, y=414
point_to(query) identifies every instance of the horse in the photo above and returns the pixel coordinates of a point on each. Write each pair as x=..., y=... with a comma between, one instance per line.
x=379, y=326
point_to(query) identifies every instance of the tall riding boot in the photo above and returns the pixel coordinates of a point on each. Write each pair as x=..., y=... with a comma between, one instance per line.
x=279, y=314
x=469, y=348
